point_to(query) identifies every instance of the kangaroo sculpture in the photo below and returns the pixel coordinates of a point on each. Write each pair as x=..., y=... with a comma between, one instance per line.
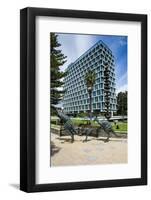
x=67, y=124
x=71, y=130
x=105, y=125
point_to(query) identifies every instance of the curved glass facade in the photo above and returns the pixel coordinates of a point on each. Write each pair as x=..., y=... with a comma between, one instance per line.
x=76, y=98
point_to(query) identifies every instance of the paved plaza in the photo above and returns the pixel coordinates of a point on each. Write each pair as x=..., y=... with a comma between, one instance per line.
x=94, y=151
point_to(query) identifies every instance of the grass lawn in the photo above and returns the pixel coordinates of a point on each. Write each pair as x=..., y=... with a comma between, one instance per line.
x=122, y=126
x=55, y=126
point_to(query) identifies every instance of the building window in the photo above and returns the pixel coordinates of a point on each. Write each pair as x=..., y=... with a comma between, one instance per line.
x=98, y=92
x=94, y=93
x=98, y=105
x=96, y=87
x=96, y=99
x=94, y=105
x=98, y=80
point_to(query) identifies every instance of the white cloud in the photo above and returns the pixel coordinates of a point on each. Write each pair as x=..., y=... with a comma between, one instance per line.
x=82, y=44
x=121, y=83
x=74, y=46
x=122, y=88
x=122, y=79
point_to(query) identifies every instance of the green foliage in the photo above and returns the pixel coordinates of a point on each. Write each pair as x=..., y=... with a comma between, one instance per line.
x=82, y=114
x=57, y=59
x=122, y=103
x=90, y=78
x=117, y=126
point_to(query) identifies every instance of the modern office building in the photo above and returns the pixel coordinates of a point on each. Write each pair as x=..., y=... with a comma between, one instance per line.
x=76, y=98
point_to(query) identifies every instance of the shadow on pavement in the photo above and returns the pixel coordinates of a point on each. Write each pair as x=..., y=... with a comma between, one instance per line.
x=54, y=149
x=68, y=140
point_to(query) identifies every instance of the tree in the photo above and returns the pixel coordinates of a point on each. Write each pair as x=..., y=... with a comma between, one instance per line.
x=107, y=92
x=57, y=59
x=122, y=103
x=90, y=78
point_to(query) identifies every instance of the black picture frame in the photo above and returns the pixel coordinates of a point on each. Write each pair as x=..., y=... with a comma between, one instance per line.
x=28, y=99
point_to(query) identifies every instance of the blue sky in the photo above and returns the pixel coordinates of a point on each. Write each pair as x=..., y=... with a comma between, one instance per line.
x=74, y=45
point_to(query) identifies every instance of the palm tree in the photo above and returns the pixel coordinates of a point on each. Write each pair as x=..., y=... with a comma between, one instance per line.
x=90, y=78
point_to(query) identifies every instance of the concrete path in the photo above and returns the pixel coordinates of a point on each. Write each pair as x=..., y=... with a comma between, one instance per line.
x=94, y=151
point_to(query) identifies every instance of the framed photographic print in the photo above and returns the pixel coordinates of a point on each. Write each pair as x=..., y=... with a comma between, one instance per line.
x=83, y=99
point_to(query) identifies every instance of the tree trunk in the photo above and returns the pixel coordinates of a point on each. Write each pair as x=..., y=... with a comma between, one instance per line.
x=90, y=95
